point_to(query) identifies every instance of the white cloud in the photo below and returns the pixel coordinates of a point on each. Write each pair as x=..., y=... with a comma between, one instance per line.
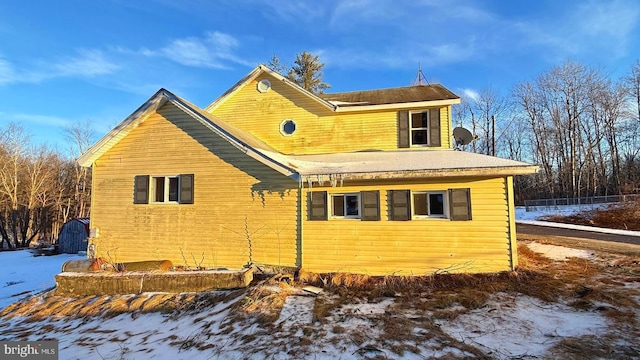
x=215, y=50
x=604, y=28
x=7, y=73
x=470, y=94
x=39, y=119
x=87, y=64
x=401, y=56
x=292, y=11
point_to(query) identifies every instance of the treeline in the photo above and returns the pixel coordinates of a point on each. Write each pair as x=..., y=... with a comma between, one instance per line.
x=40, y=188
x=579, y=125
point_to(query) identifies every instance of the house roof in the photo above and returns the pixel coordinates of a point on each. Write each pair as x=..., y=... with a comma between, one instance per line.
x=344, y=166
x=254, y=74
x=400, y=164
x=393, y=98
x=402, y=95
x=242, y=140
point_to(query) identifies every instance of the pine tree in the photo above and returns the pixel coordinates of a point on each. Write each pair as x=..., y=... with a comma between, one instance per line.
x=307, y=72
x=277, y=66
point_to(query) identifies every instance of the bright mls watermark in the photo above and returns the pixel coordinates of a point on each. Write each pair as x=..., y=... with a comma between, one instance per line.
x=40, y=350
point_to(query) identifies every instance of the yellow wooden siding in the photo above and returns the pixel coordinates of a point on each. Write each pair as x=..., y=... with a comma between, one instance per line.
x=416, y=247
x=236, y=199
x=318, y=129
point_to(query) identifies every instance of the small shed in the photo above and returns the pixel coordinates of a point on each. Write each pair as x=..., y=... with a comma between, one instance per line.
x=73, y=236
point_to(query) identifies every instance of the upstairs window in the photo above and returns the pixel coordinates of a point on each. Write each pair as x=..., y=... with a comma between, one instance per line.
x=419, y=128
x=176, y=189
x=164, y=189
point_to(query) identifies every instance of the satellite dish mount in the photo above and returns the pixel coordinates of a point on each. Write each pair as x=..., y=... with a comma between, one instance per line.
x=462, y=137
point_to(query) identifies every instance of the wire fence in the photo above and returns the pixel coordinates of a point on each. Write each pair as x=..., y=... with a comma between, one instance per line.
x=540, y=204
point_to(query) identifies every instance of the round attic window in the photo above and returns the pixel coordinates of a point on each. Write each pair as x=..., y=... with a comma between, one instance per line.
x=264, y=85
x=288, y=127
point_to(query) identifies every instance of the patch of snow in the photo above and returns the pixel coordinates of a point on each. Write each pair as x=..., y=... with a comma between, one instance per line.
x=297, y=310
x=523, y=326
x=24, y=274
x=536, y=212
x=559, y=253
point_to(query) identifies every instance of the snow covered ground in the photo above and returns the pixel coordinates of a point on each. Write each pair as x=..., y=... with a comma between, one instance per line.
x=23, y=274
x=530, y=218
x=508, y=325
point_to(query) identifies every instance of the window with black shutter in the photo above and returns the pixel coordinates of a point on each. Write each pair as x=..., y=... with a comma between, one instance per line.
x=163, y=189
x=419, y=128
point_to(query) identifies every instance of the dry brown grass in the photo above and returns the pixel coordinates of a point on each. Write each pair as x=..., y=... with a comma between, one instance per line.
x=592, y=347
x=624, y=216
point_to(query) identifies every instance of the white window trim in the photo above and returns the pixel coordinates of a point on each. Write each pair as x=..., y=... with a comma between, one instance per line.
x=152, y=190
x=359, y=216
x=284, y=133
x=445, y=205
x=411, y=128
x=263, y=85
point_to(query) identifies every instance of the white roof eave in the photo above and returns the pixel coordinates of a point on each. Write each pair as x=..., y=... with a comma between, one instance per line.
x=424, y=174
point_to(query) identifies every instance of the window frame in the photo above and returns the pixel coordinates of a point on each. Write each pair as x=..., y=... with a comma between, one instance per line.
x=284, y=123
x=445, y=204
x=167, y=189
x=344, y=205
x=425, y=128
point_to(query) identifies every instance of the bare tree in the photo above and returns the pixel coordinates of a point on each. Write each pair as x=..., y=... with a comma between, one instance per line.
x=80, y=136
x=632, y=81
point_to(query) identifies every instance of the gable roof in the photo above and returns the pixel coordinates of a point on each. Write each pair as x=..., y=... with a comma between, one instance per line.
x=393, y=98
x=254, y=74
x=242, y=140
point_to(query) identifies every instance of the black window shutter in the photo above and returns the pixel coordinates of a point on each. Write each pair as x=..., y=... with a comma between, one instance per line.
x=434, y=127
x=400, y=205
x=186, y=188
x=460, y=204
x=141, y=189
x=370, y=205
x=318, y=206
x=403, y=129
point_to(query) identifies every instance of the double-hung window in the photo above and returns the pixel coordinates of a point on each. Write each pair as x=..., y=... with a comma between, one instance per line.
x=430, y=204
x=345, y=205
x=419, y=128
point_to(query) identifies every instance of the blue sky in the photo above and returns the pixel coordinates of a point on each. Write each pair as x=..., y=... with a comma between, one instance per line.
x=69, y=61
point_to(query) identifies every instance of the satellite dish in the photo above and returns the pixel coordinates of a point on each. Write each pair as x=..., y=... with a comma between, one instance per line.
x=462, y=136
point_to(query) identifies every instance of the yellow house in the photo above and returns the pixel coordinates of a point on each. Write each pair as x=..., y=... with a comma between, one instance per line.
x=273, y=175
